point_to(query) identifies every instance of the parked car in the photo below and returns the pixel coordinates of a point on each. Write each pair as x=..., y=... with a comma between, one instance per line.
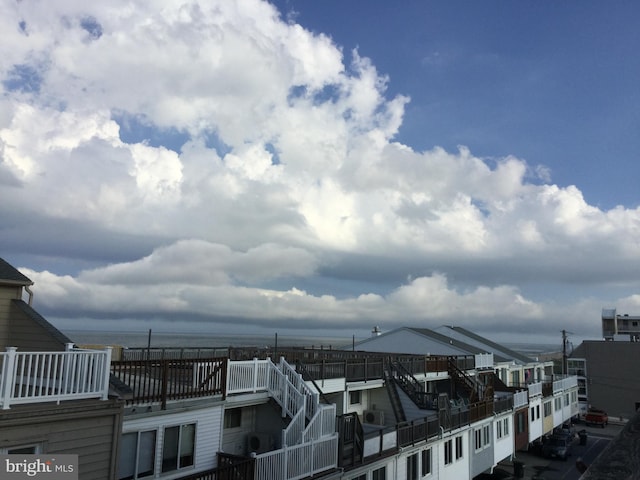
x=566, y=430
x=596, y=417
x=558, y=446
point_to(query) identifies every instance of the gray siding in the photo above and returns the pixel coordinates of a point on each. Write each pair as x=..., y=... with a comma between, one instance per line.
x=87, y=428
x=6, y=295
x=29, y=331
x=612, y=376
x=481, y=460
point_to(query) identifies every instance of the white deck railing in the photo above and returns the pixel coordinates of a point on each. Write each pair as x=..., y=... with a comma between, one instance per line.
x=298, y=461
x=323, y=423
x=305, y=450
x=32, y=377
x=484, y=361
x=535, y=389
x=565, y=383
x=249, y=376
x=520, y=399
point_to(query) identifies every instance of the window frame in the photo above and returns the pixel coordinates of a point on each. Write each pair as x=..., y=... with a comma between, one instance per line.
x=375, y=475
x=426, y=465
x=36, y=448
x=232, y=415
x=136, y=460
x=448, y=452
x=459, y=448
x=413, y=466
x=179, y=453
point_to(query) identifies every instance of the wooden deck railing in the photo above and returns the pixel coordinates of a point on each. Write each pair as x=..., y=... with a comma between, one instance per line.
x=158, y=381
x=229, y=467
x=32, y=377
x=411, y=433
x=353, y=365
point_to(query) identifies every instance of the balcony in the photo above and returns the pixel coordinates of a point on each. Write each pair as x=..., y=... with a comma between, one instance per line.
x=157, y=381
x=34, y=377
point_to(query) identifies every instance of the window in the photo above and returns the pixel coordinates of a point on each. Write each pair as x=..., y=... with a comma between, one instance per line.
x=482, y=439
x=547, y=408
x=499, y=429
x=178, y=447
x=137, y=455
x=566, y=400
x=355, y=397
x=533, y=414
x=448, y=452
x=505, y=422
x=459, y=451
x=379, y=474
x=22, y=450
x=558, y=403
x=232, y=418
x=538, y=411
x=426, y=462
x=412, y=467
x=521, y=424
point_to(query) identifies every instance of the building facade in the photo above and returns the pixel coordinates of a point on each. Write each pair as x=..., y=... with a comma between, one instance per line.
x=54, y=398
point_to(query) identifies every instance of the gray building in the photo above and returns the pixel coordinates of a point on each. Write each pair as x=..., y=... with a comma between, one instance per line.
x=612, y=379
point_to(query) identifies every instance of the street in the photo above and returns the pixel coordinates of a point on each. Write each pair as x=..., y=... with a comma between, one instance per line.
x=539, y=468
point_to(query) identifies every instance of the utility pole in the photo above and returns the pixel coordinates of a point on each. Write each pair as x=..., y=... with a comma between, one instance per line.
x=564, y=352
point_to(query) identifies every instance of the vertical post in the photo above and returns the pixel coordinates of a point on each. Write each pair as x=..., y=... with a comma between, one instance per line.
x=149, y=345
x=564, y=352
x=255, y=375
x=285, y=462
x=165, y=383
x=8, y=376
x=106, y=373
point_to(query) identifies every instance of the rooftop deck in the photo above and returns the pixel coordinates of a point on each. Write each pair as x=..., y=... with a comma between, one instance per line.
x=33, y=377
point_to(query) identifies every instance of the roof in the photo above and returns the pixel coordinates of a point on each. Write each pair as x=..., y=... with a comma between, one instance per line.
x=451, y=345
x=448, y=340
x=499, y=351
x=10, y=276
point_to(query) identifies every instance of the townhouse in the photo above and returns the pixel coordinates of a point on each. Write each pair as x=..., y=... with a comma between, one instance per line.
x=54, y=398
x=451, y=406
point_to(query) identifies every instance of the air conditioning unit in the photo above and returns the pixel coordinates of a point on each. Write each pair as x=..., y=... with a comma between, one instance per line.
x=373, y=417
x=260, y=442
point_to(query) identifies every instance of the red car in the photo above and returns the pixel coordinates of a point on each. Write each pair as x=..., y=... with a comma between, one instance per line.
x=596, y=417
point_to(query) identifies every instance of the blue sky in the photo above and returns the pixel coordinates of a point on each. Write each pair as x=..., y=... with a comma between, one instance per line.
x=555, y=83
x=315, y=167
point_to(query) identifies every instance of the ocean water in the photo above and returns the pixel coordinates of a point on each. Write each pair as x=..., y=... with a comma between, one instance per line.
x=195, y=340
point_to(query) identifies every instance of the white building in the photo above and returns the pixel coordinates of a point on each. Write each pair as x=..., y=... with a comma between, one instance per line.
x=361, y=414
